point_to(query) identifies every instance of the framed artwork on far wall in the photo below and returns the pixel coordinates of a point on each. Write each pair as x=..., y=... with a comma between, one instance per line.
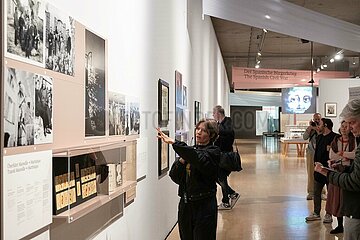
x=330, y=110
x=197, y=112
x=163, y=103
x=163, y=157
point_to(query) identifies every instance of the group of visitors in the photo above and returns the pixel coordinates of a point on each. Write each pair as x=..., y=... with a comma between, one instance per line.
x=337, y=165
x=333, y=160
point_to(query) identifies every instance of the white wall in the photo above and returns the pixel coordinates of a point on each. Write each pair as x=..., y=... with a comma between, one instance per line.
x=148, y=40
x=335, y=91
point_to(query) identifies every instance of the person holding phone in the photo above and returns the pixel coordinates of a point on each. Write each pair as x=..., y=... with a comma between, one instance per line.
x=311, y=134
x=196, y=173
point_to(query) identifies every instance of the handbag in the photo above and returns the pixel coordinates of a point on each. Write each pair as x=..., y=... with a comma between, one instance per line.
x=230, y=161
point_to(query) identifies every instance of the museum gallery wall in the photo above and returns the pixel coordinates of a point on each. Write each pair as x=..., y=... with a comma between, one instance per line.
x=59, y=118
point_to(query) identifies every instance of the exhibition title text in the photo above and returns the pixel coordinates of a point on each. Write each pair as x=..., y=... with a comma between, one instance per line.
x=268, y=74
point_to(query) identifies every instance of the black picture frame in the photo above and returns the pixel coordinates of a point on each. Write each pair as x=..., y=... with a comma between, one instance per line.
x=163, y=156
x=197, y=112
x=163, y=103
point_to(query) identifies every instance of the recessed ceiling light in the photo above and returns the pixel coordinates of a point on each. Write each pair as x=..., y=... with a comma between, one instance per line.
x=267, y=17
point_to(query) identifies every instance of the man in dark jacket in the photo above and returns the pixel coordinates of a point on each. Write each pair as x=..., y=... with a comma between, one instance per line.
x=348, y=180
x=225, y=142
x=323, y=142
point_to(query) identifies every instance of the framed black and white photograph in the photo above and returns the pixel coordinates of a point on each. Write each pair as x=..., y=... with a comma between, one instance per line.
x=59, y=41
x=24, y=31
x=43, y=121
x=197, y=112
x=94, y=85
x=178, y=88
x=19, y=108
x=163, y=103
x=163, y=155
x=117, y=120
x=134, y=118
x=179, y=119
x=330, y=109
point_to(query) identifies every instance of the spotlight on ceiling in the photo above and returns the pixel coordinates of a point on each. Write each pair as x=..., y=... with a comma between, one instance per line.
x=257, y=66
x=264, y=30
x=267, y=17
x=332, y=60
x=304, y=40
x=338, y=56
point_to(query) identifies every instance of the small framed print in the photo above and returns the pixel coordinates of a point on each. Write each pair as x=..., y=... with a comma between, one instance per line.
x=197, y=112
x=163, y=103
x=330, y=110
x=163, y=155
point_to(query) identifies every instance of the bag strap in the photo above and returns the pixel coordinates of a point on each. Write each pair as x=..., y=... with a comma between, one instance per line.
x=237, y=150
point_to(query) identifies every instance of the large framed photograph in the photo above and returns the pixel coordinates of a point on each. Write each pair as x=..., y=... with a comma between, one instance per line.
x=27, y=108
x=59, y=41
x=163, y=155
x=94, y=85
x=24, y=31
x=163, y=103
x=330, y=109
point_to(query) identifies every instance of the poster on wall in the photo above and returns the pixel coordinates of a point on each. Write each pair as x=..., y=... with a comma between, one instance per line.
x=27, y=108
x=27, y=192
x=94, y=85
x=59, y=41
x=197, y=112
x=117, y=120
x=24, y=31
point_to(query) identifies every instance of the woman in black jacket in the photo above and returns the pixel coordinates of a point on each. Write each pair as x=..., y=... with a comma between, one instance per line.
x=196, y=173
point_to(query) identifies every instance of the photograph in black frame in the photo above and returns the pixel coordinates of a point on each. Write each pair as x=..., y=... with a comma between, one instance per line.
x=197, y=112
x=163, y=157
x=163, y=103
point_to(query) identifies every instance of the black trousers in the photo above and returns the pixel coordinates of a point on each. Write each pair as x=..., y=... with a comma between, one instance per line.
x=225, y=188
x=198, y=219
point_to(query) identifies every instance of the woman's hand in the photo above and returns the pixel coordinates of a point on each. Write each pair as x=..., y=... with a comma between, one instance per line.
x=164, y=137
x=319, y=168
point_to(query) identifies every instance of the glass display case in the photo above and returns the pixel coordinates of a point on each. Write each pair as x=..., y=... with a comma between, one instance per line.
x=295, y=131
x=87, y=177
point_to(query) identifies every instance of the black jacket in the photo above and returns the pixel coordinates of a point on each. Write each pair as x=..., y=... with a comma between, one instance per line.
x=204, y=164
x=226, y=135
x=349, y=182
x=322, y=150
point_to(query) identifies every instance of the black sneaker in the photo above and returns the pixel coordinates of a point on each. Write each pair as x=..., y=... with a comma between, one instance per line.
x=224, y=206
x=234, y=195
x=337, y=230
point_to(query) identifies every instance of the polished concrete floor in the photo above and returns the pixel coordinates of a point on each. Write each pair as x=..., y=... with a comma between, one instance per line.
x=273, y=201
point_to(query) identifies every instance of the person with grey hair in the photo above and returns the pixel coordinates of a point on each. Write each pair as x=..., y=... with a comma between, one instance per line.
x=348, y=179
x=225, y=142
x=196, y=173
